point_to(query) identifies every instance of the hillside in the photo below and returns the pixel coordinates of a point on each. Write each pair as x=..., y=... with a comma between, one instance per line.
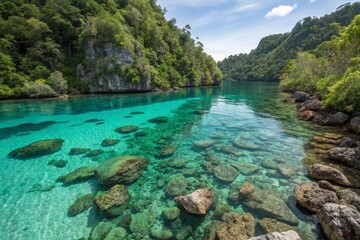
x=53, y=47
x=266, y=62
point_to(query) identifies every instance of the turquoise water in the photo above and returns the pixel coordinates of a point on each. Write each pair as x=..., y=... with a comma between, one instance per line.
x=252, y=112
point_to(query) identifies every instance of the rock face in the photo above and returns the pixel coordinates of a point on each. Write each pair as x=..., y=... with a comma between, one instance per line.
x=225, y=173
x=270, y=204
x=355, y=125
x=114, y=201
x=340, y=222
x=288, y=235
x=121, y=169
x=338, y=118
x=322, y=172
x=301, y=96
x=81, y=204
x=37, y=149
x=197, y=202
x=100, y=76
x=312, y=197
x=348, y=156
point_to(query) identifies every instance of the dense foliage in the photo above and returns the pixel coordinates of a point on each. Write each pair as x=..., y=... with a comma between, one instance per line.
x=42, y=42
x=266, y=62
x=333, y=69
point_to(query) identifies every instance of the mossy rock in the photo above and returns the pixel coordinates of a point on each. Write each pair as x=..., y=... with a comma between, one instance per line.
x=109, y=142
x=78, y=151
x=121, y=169
x=78, y=175
x=58, y=163
x=127, y=129
x=114, y=201
x=159, y=120
x=37, y=149
x=81, y=204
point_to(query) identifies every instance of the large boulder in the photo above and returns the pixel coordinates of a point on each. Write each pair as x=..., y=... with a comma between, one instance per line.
x=78, y=175
x=301, y=96
x=270, y=204
x=312, y=104
x=355, y=125
x=225, y=173
x=37, y=149
x=114, y=201
x=197, y=202
x=348, y=156
x=340, y=222
x=288, y=235
x=312, y=197
x=338, y=118
x=322, y=172
x=121, y=169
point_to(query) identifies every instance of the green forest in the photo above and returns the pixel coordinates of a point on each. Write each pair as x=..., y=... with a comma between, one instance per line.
x=266, y=62
x=333, y=69
x=43, y=42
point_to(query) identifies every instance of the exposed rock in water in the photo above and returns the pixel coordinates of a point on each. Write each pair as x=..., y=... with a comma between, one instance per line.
x=348, y=142
x=322, y=172
x=78, y=175
x=270, y=204
x=109, y=142
x=338, y=118
x=121, y=169
x=159, y=120
x=127, y=129
x=340, y=222
x=81, y=204
x=197, y=202
x=37, y=149
x=301, y=96
x=312, y=197
x=233, y=226
x=225, y=173
x=269, y=225
x=166, y=150
x=347, y=197
x=312, y=104
x=176, y=186
x=58, y=163
x=326, y=185
x=355, y=125
x=78, y=151
x=288, y=235
x=203, y=144
x=114, y=201
x=348, y=156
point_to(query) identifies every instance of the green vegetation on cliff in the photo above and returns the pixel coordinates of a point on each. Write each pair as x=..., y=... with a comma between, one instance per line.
x=43, y=42
x=266, y=62
x=333, y=69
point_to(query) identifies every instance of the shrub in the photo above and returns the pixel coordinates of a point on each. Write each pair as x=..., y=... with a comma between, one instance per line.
x=38, y=89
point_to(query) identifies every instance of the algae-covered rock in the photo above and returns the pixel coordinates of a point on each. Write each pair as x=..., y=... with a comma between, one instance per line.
x=161, y=233
x=270, y=204
x=78, y=151
x=158, y=120
x=166, y=150
x=78, y=175
x=141, y=223
x=114, y=201
x=171, y=213
x=109, y=142
x=100, y=231
x=197, y=202
x=121, y=169
x=37, y=149
x=58, y=163
x=127, y=129
x=81, y=204
x=269, y=225
x=225, y=173
x=117, y=233
x=176, y=186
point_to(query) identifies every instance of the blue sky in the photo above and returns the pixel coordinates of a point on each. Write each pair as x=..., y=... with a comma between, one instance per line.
x=228, y=27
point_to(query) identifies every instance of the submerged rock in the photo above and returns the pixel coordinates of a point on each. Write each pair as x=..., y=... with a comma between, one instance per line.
x=100, y=231
x=109, y=142
x=121, y=169
x=117, y=233
x=287, y=170
x=269, y=225
x=38, y=187
x=78, y=175
x=161, y=233
x=58, y=163
x=245, y=168
x=301, y=96
x=171, y=213
x=348, y=156
x=231, y=150
x=81, y=204
x=355, y=125
x=240, y=143
x=322, y=172
x=166, y=150
x=270, y=204
x=288, y=235
x=197, y=202
x=37, y=149
x=114, y=201
x=127, y=129
x=176, y=186
x=94, y=153
x=225, y=173
x=312, y=197
x=203, y=144
x=78, y=151
x=158, y=120
x=141, y=224
x=340, y=222
x=246, y=190
x=269, y=164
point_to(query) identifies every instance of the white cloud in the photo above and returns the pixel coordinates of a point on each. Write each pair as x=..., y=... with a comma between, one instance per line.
x=312, y=1
x=280, y=11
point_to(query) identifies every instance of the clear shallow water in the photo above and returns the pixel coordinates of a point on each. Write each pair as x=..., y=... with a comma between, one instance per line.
x=252, y=112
